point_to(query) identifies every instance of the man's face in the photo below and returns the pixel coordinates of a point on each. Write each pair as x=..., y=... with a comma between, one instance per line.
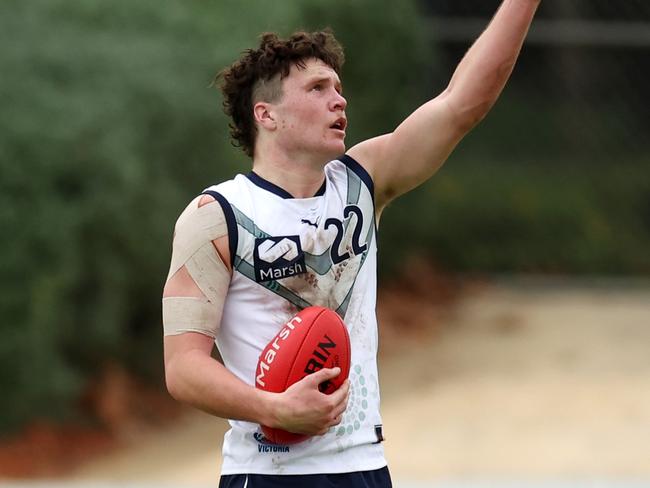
x=310, y=115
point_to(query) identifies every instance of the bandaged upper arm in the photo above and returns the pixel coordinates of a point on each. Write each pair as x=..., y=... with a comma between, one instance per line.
x=195, y=230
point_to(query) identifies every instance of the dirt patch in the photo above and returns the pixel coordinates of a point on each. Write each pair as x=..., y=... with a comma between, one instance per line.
x=529, y=378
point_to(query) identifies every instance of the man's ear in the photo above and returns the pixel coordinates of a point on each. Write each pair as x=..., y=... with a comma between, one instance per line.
x=262, y=111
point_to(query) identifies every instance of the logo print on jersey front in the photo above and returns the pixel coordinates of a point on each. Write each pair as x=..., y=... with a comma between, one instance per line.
x=278, y=257
x=309, y=222
x=263, y=444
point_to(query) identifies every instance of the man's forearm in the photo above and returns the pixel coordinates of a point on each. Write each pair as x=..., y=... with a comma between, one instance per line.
x=202, y=382
x=485, y=69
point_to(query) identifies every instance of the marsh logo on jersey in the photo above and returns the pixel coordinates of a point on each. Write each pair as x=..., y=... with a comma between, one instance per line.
x=278, y=257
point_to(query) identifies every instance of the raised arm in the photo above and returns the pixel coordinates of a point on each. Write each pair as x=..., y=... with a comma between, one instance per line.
x=405, y=158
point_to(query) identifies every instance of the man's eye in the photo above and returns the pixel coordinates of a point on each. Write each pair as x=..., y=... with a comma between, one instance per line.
x=317, y=87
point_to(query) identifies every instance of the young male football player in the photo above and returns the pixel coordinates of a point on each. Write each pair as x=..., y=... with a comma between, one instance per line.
x=299, y=230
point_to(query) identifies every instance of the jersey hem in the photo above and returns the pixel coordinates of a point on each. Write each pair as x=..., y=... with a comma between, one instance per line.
x=300, y=472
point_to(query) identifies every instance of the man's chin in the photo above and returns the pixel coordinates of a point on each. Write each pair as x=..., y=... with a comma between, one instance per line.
x=337, y=151
x=332, y=151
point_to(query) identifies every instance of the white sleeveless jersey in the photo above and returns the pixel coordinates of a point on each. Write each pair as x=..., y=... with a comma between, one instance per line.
x=288, y=254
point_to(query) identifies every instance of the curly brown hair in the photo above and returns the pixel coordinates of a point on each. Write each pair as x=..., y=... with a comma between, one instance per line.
x=254, y=76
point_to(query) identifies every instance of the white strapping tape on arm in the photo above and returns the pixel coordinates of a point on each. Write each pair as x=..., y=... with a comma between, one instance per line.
x=195, y=230
x=190, y=314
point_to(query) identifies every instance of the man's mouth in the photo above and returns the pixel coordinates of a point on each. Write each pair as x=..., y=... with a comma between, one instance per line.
x=339, y=124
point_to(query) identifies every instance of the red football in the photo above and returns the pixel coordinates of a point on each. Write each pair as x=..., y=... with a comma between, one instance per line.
x=314, y=339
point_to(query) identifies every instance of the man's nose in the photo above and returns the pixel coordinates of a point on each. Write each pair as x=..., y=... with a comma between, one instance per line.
x=339, y=102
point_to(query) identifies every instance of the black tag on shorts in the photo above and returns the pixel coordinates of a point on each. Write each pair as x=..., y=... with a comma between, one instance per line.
x=379, y=433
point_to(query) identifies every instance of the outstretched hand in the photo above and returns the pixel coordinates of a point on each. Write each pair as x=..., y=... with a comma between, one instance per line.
x=304, y=409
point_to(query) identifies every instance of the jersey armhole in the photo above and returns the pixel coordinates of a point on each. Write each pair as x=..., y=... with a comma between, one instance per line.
x=231, y=223
x=361, y=172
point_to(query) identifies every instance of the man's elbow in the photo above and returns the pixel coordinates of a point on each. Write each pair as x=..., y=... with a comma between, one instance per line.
x=465, y=113
x=173, y=381
x=470, y=116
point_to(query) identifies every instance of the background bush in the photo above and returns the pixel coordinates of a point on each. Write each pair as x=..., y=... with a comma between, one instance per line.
x=108, y=127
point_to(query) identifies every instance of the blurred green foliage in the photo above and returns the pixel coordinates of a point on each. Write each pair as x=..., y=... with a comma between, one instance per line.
x=490, y=216
x=109, y=127
x=526, y=192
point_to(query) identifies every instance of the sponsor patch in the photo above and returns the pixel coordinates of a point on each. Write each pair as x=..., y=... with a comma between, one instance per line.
x=278, y=257
x=264, y=446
